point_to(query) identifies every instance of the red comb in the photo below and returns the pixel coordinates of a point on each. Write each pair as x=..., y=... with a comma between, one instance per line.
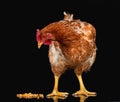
x=38, y=35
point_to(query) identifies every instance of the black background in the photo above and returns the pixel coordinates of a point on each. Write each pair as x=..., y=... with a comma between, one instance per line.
x=30, y=65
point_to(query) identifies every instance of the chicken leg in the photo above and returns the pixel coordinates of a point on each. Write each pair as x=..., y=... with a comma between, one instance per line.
x=55, y=91
x=83, y=90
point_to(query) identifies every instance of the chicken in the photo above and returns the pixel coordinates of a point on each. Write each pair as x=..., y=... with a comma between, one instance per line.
x=71, y=45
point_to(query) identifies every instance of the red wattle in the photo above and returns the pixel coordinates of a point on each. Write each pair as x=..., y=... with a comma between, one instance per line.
x=48, y=42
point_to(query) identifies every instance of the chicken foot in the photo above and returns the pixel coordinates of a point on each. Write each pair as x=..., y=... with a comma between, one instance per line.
x=56, y=98
x=55, y=91
x=83, y=90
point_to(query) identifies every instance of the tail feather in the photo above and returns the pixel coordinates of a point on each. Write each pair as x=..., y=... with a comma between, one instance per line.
x=67, y=16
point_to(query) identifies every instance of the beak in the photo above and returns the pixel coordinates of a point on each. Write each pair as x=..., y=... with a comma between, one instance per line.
x=39, y=44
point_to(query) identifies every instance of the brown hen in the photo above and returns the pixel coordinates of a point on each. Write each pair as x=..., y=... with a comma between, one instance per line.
x=71, y=45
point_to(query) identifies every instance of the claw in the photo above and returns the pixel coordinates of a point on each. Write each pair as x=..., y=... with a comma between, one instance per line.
x=58, y=94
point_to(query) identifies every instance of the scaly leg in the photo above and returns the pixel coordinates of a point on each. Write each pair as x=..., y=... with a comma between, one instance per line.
x=55, y=91
x=83, y=90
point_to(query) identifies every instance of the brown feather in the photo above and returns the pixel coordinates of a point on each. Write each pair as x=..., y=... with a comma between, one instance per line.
x=73, y=45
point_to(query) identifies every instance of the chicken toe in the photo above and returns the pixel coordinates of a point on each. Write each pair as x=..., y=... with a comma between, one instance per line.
x=59, y=94
x=84, y=92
